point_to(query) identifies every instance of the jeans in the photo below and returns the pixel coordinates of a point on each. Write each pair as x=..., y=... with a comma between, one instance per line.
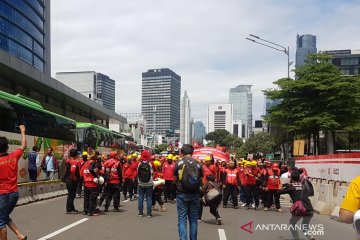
x=295, y=219
x=7, y=204
x=71, y=188
x=145, y=192
x=187, y=208
x=32, y=175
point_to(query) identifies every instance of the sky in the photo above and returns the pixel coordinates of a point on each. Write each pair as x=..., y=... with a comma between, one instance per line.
x=203, y=41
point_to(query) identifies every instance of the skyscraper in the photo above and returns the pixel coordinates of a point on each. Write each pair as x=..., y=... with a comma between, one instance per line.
x=220, y=117
x=199, y=131
x=241, y=99
x=348, y=61
x=25, y=31
x=185, y=116
x=305, y=44
x=160, y=100
x=96, y=86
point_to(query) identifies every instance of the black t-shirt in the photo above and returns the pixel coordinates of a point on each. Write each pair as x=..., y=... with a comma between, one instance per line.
x=178, y=167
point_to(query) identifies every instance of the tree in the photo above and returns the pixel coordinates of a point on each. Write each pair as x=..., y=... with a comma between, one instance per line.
x=261, y=142
x=160, y=148
x=225, y=139
x=320, y=99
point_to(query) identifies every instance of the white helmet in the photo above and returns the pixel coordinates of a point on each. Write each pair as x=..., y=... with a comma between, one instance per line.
x=99, y=180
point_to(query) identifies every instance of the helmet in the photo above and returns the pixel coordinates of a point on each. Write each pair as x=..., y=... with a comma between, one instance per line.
x=99, y=180
x=253, y=163
x=157, y=163
x=134, y=155
x=170, y=156
x=247, y=163
x=207, y=158
x=85, y=153
x=275, y=165
x=112, y=154
x=128, y=157
x=174, y=158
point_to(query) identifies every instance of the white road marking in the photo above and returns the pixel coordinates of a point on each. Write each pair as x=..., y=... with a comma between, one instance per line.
x=63, y=229
x=222, y=234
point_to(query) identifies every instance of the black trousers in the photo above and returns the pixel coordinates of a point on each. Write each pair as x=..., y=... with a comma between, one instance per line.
x=113, y=193
x=90, y=197
x=270, y=196
x=156, y=196
x=71, y=188
x=170, y=190
x=252, y=190
x=80, y=185
x=233, y=191
x=128, y=187
x=104, y=192
x=32, y=175
x=214, y=206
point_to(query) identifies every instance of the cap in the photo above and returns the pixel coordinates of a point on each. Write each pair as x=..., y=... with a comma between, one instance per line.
x=145, y=155
x=85, y=153
x=207, y=158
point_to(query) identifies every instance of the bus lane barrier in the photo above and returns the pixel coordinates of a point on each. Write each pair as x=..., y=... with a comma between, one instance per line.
x=35, y=191
x=338, y=201
x=322, y=205
x=316, y=186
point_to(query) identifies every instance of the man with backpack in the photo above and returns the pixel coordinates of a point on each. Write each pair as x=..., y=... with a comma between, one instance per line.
x=145, y=171
x=188, y=175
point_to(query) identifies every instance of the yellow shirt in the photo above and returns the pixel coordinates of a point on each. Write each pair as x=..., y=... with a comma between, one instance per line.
x=352, y=198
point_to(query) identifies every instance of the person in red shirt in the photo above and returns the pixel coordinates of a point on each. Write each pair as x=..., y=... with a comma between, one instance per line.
x=231, y=181
x=272, y=186
x=9, y=194
x=208, y=169
x=129, y=175
x=71, y=178
x=114, y=170
x=251, y=176
x=170, y=187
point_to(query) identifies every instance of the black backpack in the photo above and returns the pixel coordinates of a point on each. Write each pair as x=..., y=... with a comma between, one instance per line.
x=308, y=187
x=144, y=171
x=190, y=176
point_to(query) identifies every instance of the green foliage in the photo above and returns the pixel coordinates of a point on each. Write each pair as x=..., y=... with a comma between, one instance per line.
x=225, y=139
x=260, y=143
x=319, y=99
x=160, y=148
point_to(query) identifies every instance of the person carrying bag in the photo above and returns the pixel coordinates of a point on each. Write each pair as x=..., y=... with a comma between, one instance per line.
x=212, y=198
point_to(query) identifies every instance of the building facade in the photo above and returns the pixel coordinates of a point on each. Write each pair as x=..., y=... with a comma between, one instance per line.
x=185, y=120
x=25, y=31
x=96, y=86
x=348, y=61
x=220, y=116
x=305, y=44
x=160, y=100
x=199, y=131
x=241, y=99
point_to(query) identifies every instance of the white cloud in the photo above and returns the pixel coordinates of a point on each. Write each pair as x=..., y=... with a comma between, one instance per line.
x=202, y=41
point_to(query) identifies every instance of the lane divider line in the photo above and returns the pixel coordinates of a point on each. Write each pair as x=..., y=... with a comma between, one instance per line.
x=63, y=229
x=222, y=234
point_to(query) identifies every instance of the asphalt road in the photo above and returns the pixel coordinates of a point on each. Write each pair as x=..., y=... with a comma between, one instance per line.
x=47, y=220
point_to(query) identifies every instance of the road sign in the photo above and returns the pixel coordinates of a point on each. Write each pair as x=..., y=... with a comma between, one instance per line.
x=270, y=156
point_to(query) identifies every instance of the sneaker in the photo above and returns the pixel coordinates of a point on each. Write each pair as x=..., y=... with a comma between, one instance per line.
x=117, y=210
x=265, y=208
x=199, y=220
x=78, y=195
x=243, y=205
x=253, y=205
x=140, y=215
x=149, y=216
x=126, y=200
x=218, y=221
x=163, y=209
x=279, y=210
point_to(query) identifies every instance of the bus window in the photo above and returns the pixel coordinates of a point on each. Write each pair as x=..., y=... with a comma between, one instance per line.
x=102, y=139
x=8, y=117
x=90, y=138
x=110, y=140
x=80, y=139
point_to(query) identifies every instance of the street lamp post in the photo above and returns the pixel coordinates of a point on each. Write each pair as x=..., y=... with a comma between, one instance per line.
x=274, y=46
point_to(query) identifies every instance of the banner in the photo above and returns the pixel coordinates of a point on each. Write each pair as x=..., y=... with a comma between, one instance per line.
x=299, y=147
x=201, y=153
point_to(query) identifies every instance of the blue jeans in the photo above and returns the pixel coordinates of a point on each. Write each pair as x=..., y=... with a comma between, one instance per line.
x=187, y=208
x=7, y=204
x=142, y=193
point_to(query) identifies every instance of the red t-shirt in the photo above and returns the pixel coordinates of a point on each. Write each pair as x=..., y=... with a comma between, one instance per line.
x=9, y=172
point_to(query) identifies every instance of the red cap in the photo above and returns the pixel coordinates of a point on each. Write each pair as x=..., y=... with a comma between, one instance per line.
x=145, y=155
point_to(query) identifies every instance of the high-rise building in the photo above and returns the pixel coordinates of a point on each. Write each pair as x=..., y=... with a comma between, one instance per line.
x=96, y=86
x=160, y=100
x=347, y=61
x=199, y=131
x=305, y=44
x=269, y=103
x=185, y=119
x=241, y=99
x=220, y=116
x=25, y=31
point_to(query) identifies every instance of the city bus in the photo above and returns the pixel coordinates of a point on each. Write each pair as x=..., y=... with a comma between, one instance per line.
x=43, y=128
x=99, y=138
